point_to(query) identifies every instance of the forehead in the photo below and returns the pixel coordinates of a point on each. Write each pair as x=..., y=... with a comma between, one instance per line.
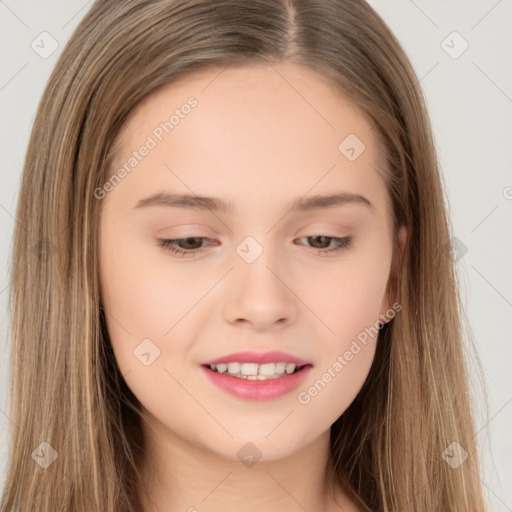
x=255, y=131
x=264, y=96
x=288, y=91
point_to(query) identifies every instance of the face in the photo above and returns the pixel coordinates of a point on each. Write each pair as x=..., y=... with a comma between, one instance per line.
x=267, y=265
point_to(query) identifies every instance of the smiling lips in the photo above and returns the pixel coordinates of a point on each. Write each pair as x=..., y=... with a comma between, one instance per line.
x=257, y=376
x=253, y=371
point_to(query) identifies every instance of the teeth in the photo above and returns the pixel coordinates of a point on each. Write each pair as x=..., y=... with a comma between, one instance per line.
x=249, y=369
x=280, y=368
x=253, y=371
x=267, y=369
x=234, y=368
x=221, y=368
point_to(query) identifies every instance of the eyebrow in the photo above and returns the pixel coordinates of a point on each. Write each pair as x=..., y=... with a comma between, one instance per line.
x=301, y=204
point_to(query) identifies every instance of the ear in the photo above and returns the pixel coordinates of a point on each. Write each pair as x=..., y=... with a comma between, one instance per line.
x=396, y=265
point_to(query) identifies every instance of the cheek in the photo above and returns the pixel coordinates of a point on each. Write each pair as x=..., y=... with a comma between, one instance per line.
x=336, y=383
x=141, y=300
x=145, y=310
x=349, y=301
x=347, y=298
x=144, y=301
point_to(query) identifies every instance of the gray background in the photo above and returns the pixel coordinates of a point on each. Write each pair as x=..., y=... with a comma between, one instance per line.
x=469, y=97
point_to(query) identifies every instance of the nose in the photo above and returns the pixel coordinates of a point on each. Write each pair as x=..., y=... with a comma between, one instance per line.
x=260, y=294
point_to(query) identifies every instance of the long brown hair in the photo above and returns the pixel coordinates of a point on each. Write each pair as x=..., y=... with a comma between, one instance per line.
x=66, y=389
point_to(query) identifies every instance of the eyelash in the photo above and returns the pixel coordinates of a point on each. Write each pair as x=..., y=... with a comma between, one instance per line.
x=170, y=244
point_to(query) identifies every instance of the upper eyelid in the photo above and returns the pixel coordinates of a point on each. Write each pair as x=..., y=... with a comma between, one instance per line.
x=316, y=231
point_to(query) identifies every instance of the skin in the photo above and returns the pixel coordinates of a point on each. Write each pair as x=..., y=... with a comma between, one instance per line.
x=260, y=137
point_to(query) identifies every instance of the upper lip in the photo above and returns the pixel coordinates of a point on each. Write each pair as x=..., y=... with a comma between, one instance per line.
x=274, y=356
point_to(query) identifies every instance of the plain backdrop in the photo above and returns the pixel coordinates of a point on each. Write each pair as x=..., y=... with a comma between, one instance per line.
x=461, y=52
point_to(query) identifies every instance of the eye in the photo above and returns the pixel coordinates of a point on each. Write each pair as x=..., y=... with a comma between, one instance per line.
x=193, y=245
x=325, y=241
x=189, y=245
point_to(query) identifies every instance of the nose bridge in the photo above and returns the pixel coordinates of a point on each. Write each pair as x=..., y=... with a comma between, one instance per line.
x=257, y=291
x=257, y=263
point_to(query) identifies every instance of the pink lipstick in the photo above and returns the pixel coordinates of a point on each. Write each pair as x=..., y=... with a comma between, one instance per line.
x=257, y=375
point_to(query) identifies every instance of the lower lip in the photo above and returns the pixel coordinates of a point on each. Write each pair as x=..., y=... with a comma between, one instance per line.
x=257, y=389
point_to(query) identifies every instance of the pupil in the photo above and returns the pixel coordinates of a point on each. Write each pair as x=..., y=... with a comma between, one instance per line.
x=323, y=239
x=188, y=241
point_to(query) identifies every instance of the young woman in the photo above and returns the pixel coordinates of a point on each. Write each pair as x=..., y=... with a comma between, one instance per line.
x=232, y=285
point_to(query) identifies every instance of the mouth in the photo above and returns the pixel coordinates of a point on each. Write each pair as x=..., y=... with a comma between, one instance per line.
x=251, y=381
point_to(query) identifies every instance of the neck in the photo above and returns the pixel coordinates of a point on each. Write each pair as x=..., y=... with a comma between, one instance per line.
x=180, y=475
